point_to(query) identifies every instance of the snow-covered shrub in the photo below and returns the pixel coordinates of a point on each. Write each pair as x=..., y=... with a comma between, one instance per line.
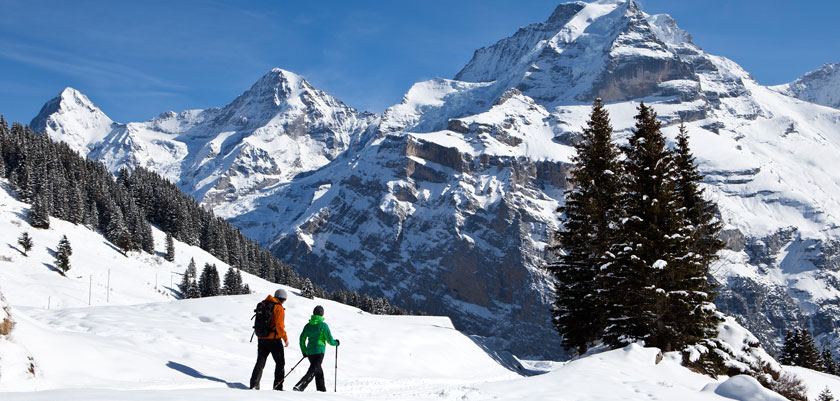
x=790, y=386
x=6, y=323
x=736, y=351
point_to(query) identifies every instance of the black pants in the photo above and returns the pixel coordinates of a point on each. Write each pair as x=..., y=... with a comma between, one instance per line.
x=275, y=348
x=314, y=371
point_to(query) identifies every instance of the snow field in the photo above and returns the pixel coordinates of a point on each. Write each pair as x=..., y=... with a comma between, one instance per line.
x=141, y=343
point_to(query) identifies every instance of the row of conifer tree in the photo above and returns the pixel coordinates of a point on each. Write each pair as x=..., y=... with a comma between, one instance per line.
x=632, y=258
x=57, y=181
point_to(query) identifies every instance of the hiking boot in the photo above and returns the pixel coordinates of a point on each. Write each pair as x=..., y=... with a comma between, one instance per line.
x=278, y=386
x=296, y=388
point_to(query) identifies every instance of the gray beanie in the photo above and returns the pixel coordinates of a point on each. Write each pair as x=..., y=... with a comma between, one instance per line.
x=280, y=294
x=319, y=310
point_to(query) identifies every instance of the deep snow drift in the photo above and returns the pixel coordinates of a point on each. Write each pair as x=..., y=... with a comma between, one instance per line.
x=140, y=343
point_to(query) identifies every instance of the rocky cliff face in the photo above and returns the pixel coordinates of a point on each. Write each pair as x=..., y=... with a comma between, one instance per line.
x=447, y=201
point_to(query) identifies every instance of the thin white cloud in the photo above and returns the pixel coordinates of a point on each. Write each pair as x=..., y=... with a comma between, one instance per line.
x=100, y=72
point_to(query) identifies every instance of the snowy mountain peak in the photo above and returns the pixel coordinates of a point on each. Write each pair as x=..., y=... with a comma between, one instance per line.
x=73, y=118
x=278, y=85
x=821, y=86
x=609, y=49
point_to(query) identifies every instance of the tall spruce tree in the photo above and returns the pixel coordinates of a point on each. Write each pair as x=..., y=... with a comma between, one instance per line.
x=829, y=363
x=652, y=252
x=810, y=356
x=170, y=248
x=62, y=255
x=800, y=349
x=189, y=286
x=209, y=283
x=791, y=348
x=25, y=242
x=690, y=307
x=39, y=215
x=591, y=218
x=232, y=282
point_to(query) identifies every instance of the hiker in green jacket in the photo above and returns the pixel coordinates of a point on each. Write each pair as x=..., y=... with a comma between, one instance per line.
x=313, y=339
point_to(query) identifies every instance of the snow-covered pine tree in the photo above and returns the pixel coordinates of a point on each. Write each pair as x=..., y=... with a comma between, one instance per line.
x=39, y=215
x=791, y=348
x=690, y=309
x=307, y=290
x=170, y=248
x=189, y=287
x=591, y=218
x=829, y=363
x=232, y=283
x=810, y=356
x=209, y=283
x=246, y=289
x=116, y=230
x=367, y=303
x=653, y=245
x=62, y=255
x=25, y=242
x=76, y=212
x=825, y=395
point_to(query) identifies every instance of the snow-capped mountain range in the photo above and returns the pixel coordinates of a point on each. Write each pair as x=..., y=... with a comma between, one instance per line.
x=446, y=201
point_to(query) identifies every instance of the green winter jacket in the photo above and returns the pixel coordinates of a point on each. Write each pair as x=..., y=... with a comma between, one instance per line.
x=318, y=334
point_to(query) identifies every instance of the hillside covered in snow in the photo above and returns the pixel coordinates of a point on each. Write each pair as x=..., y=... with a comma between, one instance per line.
x=85, y=336
x=447, y=201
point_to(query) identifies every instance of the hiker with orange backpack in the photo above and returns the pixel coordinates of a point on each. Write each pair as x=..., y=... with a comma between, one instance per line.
x=270, y=330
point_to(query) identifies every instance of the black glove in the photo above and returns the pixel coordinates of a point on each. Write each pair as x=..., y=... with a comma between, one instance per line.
x=337, y=343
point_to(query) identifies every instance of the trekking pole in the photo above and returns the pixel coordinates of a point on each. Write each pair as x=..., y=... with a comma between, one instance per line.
x=335, y=388
x=293, y=368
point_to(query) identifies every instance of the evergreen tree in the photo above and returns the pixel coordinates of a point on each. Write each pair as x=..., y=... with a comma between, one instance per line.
x=591, y=218
x=116, y=230
x=690, y=307
x=825, y=395
x=189, y=287
x=62, y=255
x=810, y=355
x=645, y=280
x=246, y=289
x=367, y=303
x=209, y=284
x=308, y=290
x=791, y=348
x=39, y=216
x=170, y=248
x=829, y=362
x=232, y=282
x=801, y=350
x=25, y=242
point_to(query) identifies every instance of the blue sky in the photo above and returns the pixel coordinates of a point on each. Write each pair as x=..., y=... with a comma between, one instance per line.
x=136, y=59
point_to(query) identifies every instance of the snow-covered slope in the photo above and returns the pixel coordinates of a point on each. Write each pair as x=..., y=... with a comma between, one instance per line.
x=821, y=86
x=447, y=201
x=143, y=344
